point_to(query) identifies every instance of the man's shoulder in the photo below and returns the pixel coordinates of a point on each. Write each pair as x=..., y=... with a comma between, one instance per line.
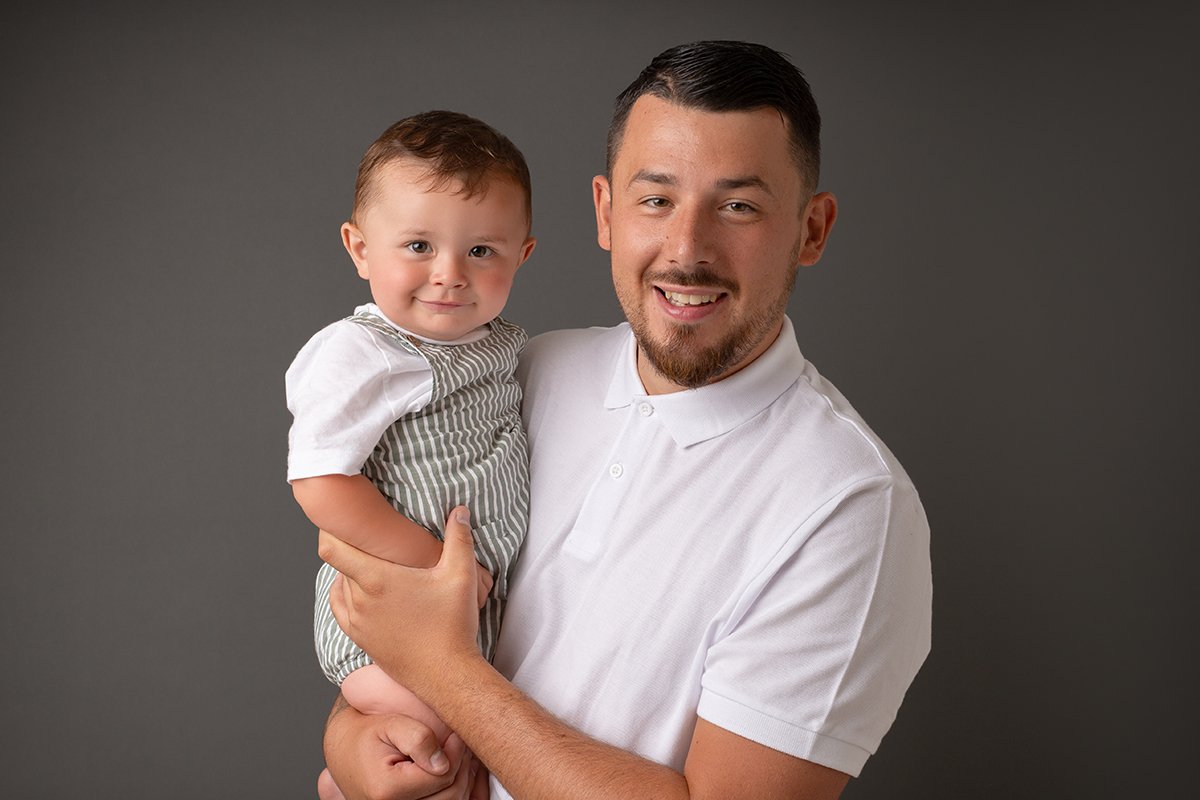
x=572, y=350
x=822, y=426
x=569, y=370
x=574, y=339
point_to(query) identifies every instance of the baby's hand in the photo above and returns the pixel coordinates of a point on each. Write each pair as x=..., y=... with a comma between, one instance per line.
x=484, y=586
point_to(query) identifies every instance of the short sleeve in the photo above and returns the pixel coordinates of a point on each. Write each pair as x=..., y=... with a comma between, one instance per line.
x=823, y=647
x=346, y=386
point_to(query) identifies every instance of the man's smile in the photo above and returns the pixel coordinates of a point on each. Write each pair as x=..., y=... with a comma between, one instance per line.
x=684, y=299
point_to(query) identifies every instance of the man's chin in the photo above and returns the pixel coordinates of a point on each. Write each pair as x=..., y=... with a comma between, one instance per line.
x=683, y=361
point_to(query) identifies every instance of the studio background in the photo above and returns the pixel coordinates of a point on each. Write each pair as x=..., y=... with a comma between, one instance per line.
x=1009, y=299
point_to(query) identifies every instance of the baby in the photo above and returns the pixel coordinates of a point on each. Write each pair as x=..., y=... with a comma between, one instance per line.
x=409, y=407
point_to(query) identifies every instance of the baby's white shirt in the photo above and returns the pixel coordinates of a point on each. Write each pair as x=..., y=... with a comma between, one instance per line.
x=346, y=386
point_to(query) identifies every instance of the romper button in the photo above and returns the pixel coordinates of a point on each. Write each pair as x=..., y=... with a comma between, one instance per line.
x=645, y=409
x=616, y=470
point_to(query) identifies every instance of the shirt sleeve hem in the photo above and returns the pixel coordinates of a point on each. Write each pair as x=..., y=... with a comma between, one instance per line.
x=781, y=735
x=323, y=464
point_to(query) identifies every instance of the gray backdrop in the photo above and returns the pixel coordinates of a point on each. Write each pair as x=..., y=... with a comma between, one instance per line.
x=1006, y=298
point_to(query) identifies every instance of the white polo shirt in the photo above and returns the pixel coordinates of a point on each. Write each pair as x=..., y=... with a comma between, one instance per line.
x=748, y=552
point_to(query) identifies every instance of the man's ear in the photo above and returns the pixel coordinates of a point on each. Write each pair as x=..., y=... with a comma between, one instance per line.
x=526, y=251
x=819, y=216
x=602, y=197
x=356, y=246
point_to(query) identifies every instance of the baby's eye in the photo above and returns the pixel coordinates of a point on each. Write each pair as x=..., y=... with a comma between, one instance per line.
x=419, y=247
x=481, y=251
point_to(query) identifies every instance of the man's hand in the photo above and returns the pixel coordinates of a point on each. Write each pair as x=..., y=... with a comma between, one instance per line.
x=484, y=586
x=410, y=621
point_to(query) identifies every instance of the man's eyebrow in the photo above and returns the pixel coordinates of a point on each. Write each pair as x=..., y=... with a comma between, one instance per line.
x=646, y=176
x=743, y=182
x=724, y=184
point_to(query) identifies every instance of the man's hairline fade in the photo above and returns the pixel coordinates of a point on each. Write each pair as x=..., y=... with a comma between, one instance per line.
x=722, y=76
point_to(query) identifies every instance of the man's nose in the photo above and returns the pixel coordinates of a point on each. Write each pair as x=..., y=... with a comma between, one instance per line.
x=689, y=237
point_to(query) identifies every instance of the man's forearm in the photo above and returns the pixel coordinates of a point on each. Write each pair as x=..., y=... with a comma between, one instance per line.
x=539, y=757
x=339, y=705
x=534, y=754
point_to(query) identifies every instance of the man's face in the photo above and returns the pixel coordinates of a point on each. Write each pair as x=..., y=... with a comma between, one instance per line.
x=707, y=221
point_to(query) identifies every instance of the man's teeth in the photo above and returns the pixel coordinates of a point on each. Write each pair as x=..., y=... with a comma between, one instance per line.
x=677, y=299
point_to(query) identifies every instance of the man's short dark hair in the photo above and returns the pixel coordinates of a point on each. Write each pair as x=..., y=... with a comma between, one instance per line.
x=729, y=76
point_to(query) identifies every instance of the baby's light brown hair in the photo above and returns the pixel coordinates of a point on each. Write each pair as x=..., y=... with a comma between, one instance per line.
x=454, y=147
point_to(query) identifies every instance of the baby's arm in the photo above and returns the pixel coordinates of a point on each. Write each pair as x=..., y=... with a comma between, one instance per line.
x=353, y=510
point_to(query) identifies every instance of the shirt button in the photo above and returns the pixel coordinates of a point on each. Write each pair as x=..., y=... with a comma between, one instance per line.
x=645, y=409
x=616, y=470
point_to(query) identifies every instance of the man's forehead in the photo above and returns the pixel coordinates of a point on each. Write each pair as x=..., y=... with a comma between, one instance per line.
x=663, y=141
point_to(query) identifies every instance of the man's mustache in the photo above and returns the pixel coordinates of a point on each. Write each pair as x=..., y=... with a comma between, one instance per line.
x=700, y=276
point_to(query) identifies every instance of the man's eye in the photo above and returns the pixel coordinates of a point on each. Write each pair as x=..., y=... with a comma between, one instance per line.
x=419, y=247
x=480, y=251
x=739, y=207
x=656, y=202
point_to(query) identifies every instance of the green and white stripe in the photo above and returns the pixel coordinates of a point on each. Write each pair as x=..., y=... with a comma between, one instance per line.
x=466, y=447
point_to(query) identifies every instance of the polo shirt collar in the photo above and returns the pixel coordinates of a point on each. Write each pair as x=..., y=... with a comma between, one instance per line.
x=696, y=415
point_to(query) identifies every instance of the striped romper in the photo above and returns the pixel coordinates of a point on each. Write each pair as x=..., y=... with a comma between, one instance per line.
x=466, y=447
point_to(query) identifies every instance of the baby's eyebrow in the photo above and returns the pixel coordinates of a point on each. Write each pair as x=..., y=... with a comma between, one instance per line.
x=491, y=238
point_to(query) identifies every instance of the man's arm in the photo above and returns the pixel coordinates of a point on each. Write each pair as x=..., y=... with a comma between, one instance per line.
x=532, y=753
x=537, y=756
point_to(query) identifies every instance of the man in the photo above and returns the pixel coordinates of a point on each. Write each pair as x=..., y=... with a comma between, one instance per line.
x=725, y=587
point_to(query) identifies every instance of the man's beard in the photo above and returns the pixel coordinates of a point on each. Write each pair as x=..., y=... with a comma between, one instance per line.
x=678, y=358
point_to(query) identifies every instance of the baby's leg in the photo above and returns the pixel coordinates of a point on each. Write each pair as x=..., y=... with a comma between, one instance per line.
x=327, y=789
x=371, y=691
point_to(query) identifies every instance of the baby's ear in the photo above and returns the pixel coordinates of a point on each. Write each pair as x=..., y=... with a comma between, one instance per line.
x=527, y=250
x=356, y=246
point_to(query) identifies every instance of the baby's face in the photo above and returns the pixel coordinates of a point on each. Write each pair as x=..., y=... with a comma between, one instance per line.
x=440, y=264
